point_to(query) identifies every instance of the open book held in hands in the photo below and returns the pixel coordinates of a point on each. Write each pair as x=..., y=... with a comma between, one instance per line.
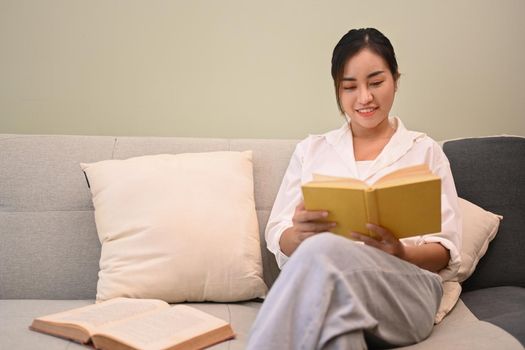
x=407, y=202
x=124, y=323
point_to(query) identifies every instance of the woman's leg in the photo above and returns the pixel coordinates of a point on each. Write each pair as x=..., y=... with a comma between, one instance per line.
x=334, y=291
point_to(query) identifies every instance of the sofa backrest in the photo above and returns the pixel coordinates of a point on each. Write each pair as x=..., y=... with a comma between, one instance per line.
x=48, y=243
x=490, y=172
x=49, y=247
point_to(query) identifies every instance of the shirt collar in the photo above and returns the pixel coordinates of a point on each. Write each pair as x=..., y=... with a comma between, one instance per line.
x=400, y=143
x=342, y=143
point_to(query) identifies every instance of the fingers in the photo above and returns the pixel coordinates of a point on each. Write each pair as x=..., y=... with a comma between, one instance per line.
x=306, y=216
x=382, y=234
x=303, y=215
x=366, y=239
x=305, y=224
x=316, y=226
x=383, y=240
x=306, y=230
x=309, y=215
x=309, y=222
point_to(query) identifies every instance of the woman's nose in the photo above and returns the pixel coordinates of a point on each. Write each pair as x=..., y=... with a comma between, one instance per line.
x=365, y=96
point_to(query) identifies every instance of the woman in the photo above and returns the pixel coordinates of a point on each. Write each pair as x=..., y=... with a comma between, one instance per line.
x=334, y=293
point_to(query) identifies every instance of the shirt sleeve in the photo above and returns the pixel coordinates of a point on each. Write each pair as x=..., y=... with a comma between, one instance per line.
x=451, y=224
x=288, y=197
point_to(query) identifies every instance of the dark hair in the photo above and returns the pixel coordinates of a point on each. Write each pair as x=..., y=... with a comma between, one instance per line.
x=353, y=42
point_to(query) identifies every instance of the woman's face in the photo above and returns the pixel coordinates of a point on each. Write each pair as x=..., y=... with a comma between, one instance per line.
x=367, y=90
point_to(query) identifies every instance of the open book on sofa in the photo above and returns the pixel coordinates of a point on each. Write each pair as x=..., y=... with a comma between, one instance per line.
x=124, y=323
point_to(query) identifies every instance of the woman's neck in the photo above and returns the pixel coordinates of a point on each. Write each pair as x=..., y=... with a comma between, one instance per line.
x=368, y=144
x=383, y=130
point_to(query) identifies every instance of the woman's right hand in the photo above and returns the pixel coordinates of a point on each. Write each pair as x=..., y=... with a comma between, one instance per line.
x=306, y=223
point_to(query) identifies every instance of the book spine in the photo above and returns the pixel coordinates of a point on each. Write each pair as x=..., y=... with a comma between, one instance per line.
x=372, y=210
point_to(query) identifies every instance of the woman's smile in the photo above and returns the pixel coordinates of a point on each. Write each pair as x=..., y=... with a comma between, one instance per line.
x=366, y=112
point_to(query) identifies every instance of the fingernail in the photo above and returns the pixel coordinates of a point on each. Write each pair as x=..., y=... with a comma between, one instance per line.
x=325, y=214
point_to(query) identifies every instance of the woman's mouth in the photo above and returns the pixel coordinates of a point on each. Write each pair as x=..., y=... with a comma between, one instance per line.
x=366, y=112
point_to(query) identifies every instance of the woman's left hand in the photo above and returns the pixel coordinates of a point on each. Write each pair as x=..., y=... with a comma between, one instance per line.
x=384, y=240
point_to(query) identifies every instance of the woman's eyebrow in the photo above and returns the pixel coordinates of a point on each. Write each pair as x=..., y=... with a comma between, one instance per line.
x=371, y=75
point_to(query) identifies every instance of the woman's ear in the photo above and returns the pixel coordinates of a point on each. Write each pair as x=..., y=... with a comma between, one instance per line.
x=396, y=81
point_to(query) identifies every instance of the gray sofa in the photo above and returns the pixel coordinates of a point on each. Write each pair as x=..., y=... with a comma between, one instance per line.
x=49, y=248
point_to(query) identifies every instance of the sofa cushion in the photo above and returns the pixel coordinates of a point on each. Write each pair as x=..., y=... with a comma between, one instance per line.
x=48, y=243
x=17, y=315
x=177, y=227
x=490, y=172
x=451, y=293
x=479, y=228
x=47, y=213
x=502, y=306
x=460, y=330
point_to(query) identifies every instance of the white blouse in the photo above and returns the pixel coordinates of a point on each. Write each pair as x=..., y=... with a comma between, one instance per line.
x=363, y=165
x=332, y=154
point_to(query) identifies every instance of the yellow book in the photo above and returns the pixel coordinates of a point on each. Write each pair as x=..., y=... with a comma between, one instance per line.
x=407, y=202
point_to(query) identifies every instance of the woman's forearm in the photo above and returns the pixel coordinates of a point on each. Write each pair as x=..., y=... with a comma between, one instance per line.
x=289, y=241
x=431, y=256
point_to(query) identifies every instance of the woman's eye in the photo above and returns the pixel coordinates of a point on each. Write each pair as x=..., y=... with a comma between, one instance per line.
x=349, y=88
x=376, y=83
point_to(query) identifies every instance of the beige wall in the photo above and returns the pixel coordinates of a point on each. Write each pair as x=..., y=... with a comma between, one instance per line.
x=256, y=69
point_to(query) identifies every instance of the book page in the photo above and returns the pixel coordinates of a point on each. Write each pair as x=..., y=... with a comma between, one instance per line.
x=411, y=171
x=410, y=179
x=334, y=181
x=162, y=329
x=92, y=316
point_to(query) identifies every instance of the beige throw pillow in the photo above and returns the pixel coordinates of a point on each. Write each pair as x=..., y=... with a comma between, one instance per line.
x=479, y=228
x=177, y=227
x=451, y=292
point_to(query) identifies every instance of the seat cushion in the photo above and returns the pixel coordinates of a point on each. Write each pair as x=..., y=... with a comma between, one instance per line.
x=502, y=306
x=459, y=330
x=17, y=315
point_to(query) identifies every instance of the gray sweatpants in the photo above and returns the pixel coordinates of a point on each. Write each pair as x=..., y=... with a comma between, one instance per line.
x=336, y=294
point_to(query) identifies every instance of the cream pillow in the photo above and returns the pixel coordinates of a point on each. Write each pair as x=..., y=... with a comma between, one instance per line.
x=451, y=292
x=177, y=227
x=479, y=228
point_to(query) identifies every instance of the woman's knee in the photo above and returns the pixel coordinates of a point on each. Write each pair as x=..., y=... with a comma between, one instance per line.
x=339, y=251
x=324, y=244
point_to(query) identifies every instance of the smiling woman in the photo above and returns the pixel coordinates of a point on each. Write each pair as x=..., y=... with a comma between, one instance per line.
x=332, y=292
x=351, y=44
x=367, y=91
x=366, y=94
